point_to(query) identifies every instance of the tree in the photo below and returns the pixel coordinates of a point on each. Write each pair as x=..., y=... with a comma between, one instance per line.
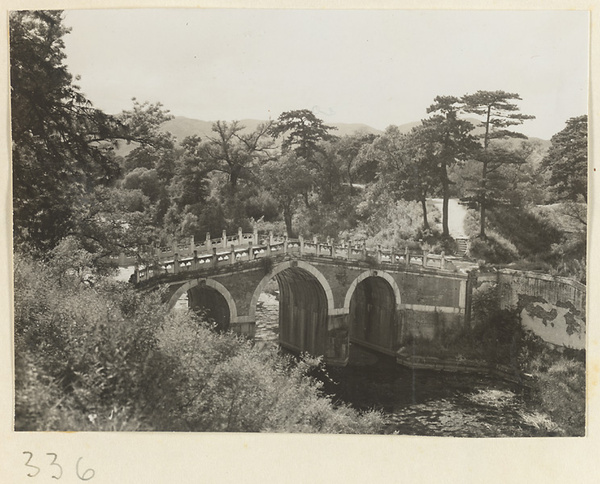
x=233, y=152
x=302, y=131
x=154, y=148
x=446, y=139
x=499, y=113
x=349, y=148
x=286, y=179
x=405, y=167
x=61, y=144
x=567, y=161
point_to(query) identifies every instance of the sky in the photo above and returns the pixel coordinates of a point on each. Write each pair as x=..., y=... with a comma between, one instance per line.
x=377, y=67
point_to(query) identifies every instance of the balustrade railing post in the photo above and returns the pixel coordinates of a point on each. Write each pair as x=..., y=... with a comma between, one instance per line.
x=195, y=261
x=392, y=255
x=425, y=254
x=316, y=242
x=137, y=274
x=250, y=250
x=232, y=255
x=379, y=255
x=301, y=239
x=406, y=256
x=255, y=235
x=224, y=239
x=443, y=261
x=208, y=241
x=348, y=250
x=285, y=243
x=192, y=244
x=364, y=249
x=240, y=236
x=270, y=237
x=214, y=257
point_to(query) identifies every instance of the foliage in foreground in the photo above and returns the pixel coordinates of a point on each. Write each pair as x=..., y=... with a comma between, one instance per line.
x=93, y=354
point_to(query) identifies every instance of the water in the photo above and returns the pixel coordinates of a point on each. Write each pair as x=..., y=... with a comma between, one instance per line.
x=420, y=402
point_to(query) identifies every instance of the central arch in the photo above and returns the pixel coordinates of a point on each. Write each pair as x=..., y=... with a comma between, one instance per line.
x=372, y=302
x=305, y=302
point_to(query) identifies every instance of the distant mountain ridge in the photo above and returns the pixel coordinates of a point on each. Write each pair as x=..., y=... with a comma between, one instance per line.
x=181, y=127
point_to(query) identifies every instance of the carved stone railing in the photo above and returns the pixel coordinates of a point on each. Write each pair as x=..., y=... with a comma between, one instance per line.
x=228, y=250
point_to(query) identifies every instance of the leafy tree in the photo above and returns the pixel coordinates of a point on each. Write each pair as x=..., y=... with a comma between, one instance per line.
x=406, y=168
x=302, y=131
x=348, y=148
x=286, y=179
x=154, y=149
x=61, y=143
x=567, y=161
x=499, y=112
x=233, y=152
x=445, y=139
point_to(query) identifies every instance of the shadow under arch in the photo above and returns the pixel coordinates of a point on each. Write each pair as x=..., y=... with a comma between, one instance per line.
x=305, y=303
x=373, y=273
x=291, y=265
x=373, y=302
x=211, y=283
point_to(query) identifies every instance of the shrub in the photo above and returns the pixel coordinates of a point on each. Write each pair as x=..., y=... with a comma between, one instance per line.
x=561, y=392
x=104, y=356
x=492, y=251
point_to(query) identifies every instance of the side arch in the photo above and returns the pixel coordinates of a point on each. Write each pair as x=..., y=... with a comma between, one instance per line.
x=209, y=283
x=282, y=267
x=373, y=273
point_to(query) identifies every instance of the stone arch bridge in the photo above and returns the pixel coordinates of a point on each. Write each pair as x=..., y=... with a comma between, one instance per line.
x=331, y=294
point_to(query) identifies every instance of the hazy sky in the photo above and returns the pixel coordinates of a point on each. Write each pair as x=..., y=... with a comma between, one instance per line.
x=374, y=67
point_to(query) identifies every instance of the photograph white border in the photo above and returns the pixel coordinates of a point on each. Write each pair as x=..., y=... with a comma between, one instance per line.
x=222, y=458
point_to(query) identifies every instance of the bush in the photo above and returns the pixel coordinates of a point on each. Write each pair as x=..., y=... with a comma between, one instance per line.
x=532, y=236
x=103, y=356
x=561, y=392
x=491, y=251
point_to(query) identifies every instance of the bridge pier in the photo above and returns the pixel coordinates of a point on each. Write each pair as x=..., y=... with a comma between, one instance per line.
x=243, y=326
x=337, y=350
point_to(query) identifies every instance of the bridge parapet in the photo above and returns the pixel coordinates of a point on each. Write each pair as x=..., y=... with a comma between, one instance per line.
x=228, y=250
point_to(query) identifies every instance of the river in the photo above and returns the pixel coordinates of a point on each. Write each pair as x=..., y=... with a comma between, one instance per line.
x=419, y=402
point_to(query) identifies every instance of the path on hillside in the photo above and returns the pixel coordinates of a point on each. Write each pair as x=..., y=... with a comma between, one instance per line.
x=456, y=216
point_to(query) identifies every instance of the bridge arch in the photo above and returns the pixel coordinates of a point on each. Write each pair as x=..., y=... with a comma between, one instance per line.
x=289, y=265
x=211, y=283
x=305, y=303
x=373, y=273
x=373, y=303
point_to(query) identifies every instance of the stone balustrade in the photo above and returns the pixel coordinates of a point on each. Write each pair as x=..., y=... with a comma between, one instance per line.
x=230, y=249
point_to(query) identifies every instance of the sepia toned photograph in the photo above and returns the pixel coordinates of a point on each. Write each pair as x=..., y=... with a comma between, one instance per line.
x=300, y=221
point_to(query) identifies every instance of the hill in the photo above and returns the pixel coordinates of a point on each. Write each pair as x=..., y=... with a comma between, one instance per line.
x=181, y=127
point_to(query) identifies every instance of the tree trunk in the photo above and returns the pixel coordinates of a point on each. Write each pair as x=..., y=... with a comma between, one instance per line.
x=305, y=196
x=483, y=201
x=287, y=217
x=445, y=198
x=424, y=207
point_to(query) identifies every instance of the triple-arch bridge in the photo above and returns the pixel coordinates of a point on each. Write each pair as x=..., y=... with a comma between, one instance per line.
x=330, y=295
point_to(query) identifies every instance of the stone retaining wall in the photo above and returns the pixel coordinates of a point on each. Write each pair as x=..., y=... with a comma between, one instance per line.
x=552, y=307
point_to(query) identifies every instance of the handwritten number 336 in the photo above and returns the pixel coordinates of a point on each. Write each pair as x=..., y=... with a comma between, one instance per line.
x=57, y=468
